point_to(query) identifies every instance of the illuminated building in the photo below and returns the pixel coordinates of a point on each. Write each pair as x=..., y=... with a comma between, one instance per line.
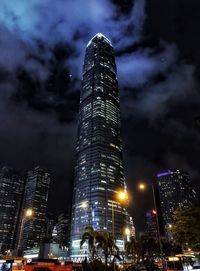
x=99, y=169
x=11, y=192
x=35, y=199
x=175, y=191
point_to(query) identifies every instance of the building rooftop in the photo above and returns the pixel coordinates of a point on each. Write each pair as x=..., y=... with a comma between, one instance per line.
x=99, y=36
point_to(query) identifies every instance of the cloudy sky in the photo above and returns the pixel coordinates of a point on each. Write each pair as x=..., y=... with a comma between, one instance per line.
x=42, y=47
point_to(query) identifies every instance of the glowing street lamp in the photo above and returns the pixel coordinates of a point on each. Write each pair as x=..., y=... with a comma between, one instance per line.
x=122, y=197
x=127, y=233
x=28, y=213
x=142, y=187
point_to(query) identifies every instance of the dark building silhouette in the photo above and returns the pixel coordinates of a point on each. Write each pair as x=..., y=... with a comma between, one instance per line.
x=32, y=229
x=151, y=226
x=11, y=193
x=99, y=168
x=175, y=191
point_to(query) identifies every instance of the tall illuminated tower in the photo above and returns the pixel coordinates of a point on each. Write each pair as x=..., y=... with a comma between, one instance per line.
x=99, y=168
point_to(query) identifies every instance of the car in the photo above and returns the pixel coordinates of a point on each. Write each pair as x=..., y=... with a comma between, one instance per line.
x=196, y=266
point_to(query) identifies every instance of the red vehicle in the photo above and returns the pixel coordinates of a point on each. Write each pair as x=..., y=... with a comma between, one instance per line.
x=20, y=264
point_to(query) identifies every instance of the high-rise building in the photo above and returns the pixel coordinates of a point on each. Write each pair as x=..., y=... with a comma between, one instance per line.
x=99, y=168
x=175, y=191
x=11, y=192
x=32, y=228
x=63, y=230
x=151, y=225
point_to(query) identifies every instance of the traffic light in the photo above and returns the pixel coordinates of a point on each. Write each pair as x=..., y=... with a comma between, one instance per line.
x=154, y=212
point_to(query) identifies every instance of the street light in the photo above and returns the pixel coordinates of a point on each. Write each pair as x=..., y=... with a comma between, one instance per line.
x=142, y=187
x=127, y=233
x=28, y=213
x=122, y=196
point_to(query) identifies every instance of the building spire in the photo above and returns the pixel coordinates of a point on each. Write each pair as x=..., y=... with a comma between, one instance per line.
x=99, y=36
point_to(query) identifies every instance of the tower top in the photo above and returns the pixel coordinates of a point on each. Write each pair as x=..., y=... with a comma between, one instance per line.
x=97, y=37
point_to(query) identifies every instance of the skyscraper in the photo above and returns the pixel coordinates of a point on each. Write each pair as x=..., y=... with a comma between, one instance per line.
x=11, y=192
x=63, y=229
x=175, y=191
x=35, y=198
x=99, y=168
x=151, y=226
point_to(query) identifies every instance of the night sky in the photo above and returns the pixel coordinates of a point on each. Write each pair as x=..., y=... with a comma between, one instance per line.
x=157, y=46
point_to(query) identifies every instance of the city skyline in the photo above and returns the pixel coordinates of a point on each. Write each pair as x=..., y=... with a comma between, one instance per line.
x=159, y=73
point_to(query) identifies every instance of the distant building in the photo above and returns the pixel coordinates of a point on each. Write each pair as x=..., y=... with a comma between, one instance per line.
x=175, y=191
x=35, y=198
x=50, y=224
x=63, y=230
x=151, y=226
x=11, y=192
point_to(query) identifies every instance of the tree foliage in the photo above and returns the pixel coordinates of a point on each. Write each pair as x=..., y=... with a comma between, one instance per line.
x=98, y=241
x=186, y=229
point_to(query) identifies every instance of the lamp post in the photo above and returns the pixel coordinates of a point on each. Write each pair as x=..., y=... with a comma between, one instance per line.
x=122, y=197
x=28, y=213
x=142, y=187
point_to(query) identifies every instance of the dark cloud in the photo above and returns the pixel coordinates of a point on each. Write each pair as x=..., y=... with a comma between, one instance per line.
x=41, y=55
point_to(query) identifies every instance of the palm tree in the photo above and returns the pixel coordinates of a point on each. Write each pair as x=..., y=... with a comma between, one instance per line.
x=148, y=246
x=130, y=247
x=88, y=236
x=106, y=243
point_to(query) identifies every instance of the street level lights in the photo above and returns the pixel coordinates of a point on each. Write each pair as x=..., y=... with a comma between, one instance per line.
x=127, y=233
x=122, y=197
x=28, y=213
x=142, y=187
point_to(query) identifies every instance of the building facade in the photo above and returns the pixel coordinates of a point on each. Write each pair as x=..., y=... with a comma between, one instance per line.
x=63, y=230
x=11, y=192
x=175, y=191
x=32, y=228
x=99, y=168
